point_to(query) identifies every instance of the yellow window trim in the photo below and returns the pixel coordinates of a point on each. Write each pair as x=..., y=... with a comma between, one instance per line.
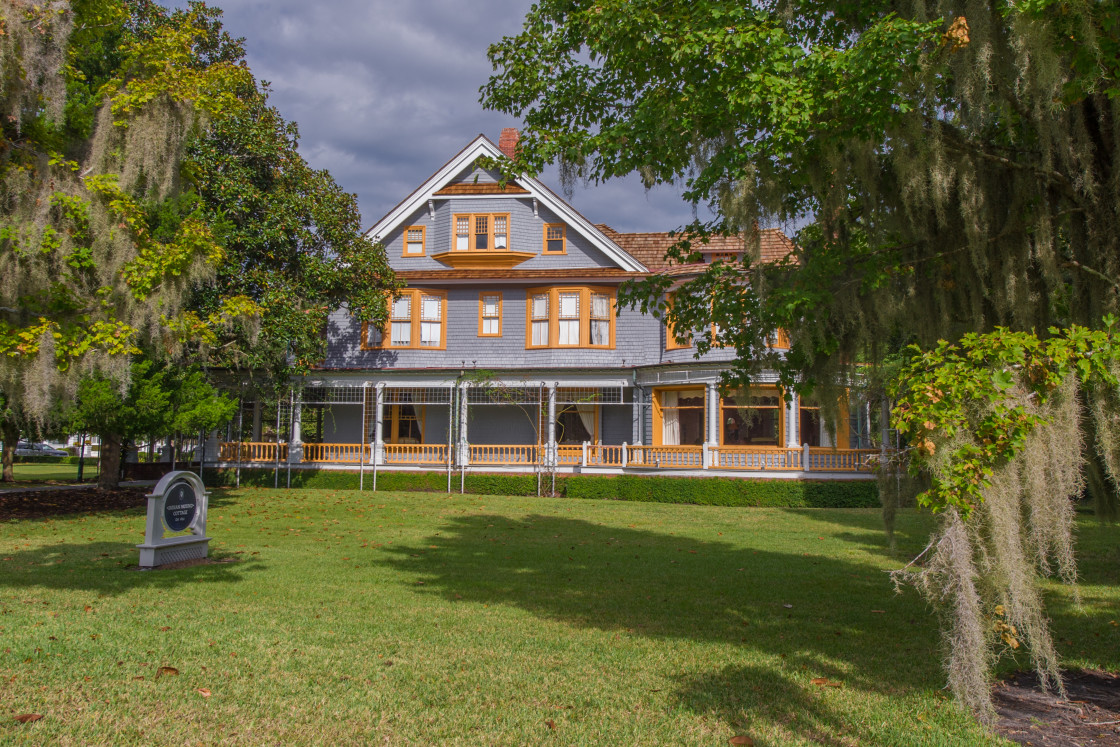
x=423, y=241
x=386, y=338
x=481, y=305
x=554, y=292
x=671, y=342
x=658, y=423
x=781, y=408
x=471, y=232
x=563, y=238
x=395, y=420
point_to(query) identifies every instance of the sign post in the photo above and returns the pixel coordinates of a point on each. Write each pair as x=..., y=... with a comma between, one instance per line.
x=177, y=503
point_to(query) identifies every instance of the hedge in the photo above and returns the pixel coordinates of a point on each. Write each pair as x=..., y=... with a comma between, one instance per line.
x=703, y=491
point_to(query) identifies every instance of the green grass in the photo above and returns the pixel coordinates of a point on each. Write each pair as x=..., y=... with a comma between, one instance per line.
x=362, y=618
x=28, y=475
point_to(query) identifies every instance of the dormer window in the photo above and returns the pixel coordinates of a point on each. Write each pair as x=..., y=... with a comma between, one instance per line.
x=487, y=232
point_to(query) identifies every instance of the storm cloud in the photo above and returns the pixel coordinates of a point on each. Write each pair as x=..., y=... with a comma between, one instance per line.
x=386, y=91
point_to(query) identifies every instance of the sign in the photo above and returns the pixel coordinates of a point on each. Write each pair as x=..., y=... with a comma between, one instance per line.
x=180, y=504
x=177, y=503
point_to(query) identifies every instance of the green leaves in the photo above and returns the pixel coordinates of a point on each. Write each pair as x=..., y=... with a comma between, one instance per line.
x=972, y=397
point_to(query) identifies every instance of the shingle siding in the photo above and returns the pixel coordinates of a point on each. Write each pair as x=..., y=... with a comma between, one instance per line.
x=639, y=341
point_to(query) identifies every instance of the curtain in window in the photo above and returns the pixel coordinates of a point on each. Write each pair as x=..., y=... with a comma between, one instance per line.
x=587, y=417
x=569, y=319
x=462, y=234
x=600, y=319
x=540, y=319
x=431, y=321
x=401, y=333
x=500, y=232
x=670, y=420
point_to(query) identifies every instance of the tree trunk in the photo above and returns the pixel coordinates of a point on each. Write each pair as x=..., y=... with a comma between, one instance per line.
x=11, y=439
x=110, y=476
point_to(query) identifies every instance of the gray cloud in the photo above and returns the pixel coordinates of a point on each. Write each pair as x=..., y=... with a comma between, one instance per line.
x=386, y=91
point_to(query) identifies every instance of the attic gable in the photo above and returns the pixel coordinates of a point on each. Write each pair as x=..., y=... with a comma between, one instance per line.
x=461, y=179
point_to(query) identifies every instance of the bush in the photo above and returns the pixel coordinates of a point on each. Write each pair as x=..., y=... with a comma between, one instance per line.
x=703, y=491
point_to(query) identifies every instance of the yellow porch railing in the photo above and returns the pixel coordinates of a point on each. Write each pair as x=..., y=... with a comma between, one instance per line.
x=824, y=459
x=336, y=453
x=251, y=451
x=500, y=454
x=416, y=453
x=665, y=457
x=756, y=458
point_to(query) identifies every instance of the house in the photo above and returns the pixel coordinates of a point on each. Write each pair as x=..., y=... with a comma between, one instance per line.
x=507, y=351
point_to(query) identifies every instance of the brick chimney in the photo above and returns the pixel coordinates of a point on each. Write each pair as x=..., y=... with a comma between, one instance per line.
x=507, y=143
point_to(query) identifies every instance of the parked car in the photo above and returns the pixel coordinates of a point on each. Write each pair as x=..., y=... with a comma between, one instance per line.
x=26, y=448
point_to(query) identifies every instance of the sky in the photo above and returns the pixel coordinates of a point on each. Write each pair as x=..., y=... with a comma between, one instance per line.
x=386, y=91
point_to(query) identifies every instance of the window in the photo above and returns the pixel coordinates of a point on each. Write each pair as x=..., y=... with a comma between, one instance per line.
x=416, y=320
x=678, y=417
x=752, y=418
x=482, y=232
x=414, y=241
x=406, y=424
x=538, y=319
x=671, y=342
x=577, y=423
x=600, y=319
x=490, y=315
x=555, y=238
x=570, y=317
x=569, y=335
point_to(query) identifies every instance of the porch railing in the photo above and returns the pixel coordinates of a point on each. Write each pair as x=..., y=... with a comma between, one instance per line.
x=499, y=454
x=252, y=451
x=843, y=460
x=747, y=458
x=665, y=457
x=336, y=453
x=416, y=453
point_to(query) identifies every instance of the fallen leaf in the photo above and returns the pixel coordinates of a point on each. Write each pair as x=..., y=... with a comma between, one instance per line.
x=550, y=723
x=170, y=671
x=165, y=627
x=788, y=606
x=27, y=718
x=741, y=739
x=204, y=692
x=824, y=682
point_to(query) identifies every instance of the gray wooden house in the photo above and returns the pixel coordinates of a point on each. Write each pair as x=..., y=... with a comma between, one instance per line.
x=507, y=352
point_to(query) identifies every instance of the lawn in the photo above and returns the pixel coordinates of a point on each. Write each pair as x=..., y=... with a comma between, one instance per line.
x=28, y=475
x=389, y=618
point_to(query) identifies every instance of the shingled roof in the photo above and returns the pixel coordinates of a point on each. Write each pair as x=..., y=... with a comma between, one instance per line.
x=650, y=248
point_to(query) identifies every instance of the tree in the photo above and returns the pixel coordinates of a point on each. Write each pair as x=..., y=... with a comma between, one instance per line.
x=958, y=164
x=159, y=400
x=174, y=216
x=96, y=117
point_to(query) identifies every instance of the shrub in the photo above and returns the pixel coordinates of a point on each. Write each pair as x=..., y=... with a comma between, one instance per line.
x=704, y=491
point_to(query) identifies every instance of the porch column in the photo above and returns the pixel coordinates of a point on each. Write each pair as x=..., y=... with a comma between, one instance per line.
x=793, y=423
x=295, y=443
x=464, y=449
x=255, y=436
x=378, y=454
x=551, y=459
x=636, y=410
x=713, y=422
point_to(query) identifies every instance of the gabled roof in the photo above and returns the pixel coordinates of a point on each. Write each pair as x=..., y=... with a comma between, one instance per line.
x=525, y=187
x=650, y=248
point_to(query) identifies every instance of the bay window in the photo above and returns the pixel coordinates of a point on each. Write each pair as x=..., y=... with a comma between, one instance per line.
x=417, y=319
x=570, y=317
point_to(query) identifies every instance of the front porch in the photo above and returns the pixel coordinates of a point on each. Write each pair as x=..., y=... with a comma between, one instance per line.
x=560, y=427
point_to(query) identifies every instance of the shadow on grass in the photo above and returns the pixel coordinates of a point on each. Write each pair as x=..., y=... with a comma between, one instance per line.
x=107, y=568
x=812, y=615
